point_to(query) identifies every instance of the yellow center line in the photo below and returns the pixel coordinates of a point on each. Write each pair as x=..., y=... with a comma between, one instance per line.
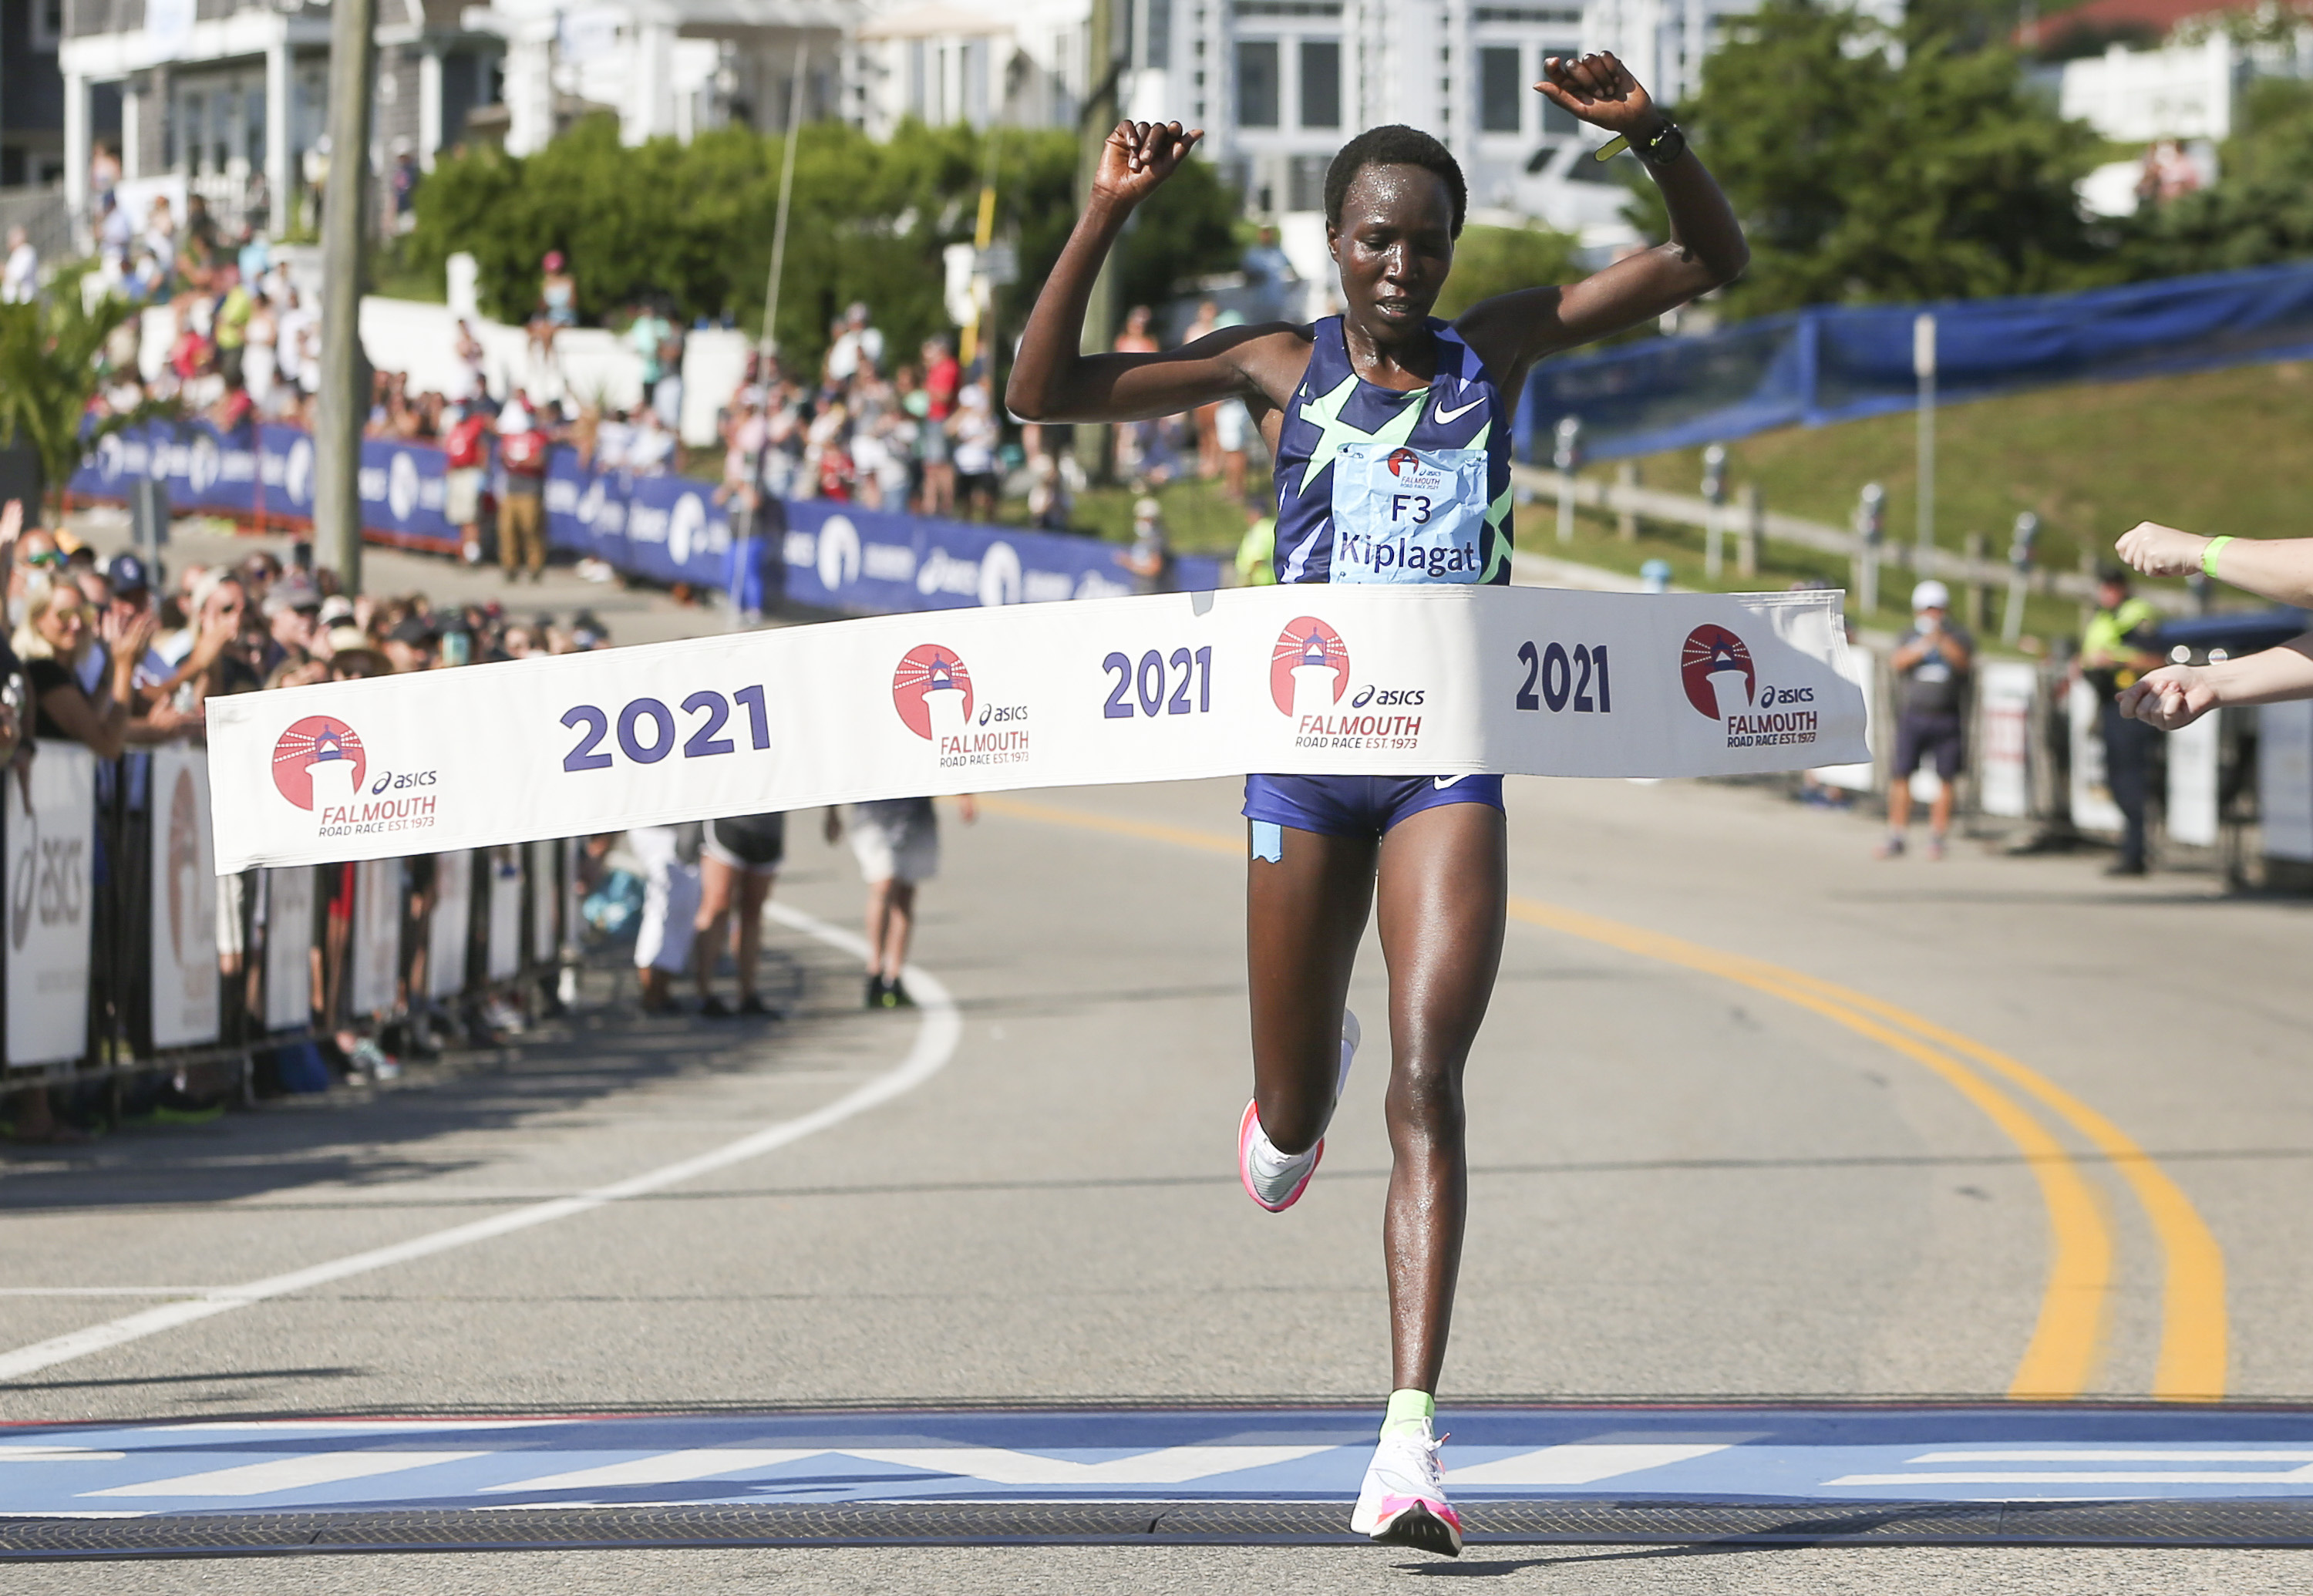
x=2060, y=1359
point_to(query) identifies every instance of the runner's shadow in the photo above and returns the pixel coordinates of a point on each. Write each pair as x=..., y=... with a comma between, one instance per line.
x=1495, y=1570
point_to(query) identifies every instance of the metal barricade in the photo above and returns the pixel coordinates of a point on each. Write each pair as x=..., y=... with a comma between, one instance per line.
x=125, y=957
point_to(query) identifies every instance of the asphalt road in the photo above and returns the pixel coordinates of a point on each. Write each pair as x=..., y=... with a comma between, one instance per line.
x=1691, y=1179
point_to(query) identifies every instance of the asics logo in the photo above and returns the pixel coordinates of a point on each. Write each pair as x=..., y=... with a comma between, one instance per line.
x=1445, y=415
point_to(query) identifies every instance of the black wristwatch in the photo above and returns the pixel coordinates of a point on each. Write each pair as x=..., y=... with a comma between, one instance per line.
x=1668, y=143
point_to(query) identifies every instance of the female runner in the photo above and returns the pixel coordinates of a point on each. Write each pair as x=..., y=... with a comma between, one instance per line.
x=1336, y=400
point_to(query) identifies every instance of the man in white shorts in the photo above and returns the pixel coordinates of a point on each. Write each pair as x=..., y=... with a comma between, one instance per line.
x=669, y=856
x=897, y=843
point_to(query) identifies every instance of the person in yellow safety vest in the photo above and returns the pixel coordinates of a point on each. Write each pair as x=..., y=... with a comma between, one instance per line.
x=1256, y=554
x=2116, y=650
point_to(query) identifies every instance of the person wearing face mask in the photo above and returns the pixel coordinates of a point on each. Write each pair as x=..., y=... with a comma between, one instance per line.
x=1930, y=663
x=1353, y=406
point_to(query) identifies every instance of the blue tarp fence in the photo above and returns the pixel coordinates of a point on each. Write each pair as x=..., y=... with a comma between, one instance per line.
x=834, y=556
x=1837, y=363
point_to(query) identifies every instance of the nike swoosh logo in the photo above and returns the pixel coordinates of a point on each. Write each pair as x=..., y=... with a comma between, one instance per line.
x=1445, y=782
x=1445, y=415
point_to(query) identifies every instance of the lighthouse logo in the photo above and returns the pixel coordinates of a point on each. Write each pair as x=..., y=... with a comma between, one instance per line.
x=1716, y=669
x=319, y=762
x=1309, y=655
x=932, y=692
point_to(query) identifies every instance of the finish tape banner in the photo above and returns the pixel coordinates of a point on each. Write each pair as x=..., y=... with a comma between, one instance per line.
x=1439, y=680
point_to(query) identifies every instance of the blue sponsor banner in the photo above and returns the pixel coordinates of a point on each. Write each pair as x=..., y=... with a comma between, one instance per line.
x=285, y=467
x=840, y=557
x=203, y=468
x=677, y=532
x=835, y=556
x=403, y=488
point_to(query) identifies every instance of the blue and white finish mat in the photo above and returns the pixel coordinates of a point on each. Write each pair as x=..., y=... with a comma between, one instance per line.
x=1716, y=1454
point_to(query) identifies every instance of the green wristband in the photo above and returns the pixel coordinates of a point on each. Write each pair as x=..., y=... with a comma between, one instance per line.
x=2209, y=554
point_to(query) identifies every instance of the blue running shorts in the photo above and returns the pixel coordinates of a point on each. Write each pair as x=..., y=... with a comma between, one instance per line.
x=1357, y=806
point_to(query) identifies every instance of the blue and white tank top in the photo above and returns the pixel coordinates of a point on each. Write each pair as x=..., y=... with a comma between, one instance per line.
x=1374, y=485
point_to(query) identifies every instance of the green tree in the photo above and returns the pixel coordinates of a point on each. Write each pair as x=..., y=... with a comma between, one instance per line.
x=868, y=220
x=1868, y=166
x=1491, y=261
x=51, y=353
x=2259, y=211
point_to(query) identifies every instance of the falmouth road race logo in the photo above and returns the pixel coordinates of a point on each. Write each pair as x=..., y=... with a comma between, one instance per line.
x=933, y=693
x=1712, y=660
x=1399, y=459
x=1723, y=684
x=319, y=762
x=932, y=690
x=1307, y=644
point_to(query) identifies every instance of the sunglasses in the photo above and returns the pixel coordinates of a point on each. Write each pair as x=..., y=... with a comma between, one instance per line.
x=55, y=557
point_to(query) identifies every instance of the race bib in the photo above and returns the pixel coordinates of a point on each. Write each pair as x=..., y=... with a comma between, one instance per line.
x=1403, y=514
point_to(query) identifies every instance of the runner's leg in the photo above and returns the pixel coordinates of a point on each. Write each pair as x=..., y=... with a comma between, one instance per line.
x=899, y=928
x=1444, y=887
x=1303, y=914
x=716, y=883
x=879, y=915
x=753, y=888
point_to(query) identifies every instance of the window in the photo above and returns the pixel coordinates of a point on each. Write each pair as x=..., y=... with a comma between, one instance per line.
x=1556, y=119
x=1500, y=96
x=48, y=24
x=1256, y=82
x=1527, y=14
x=1321, y=83
x=919, y=101
x=1160, y=34
x=1289, y=8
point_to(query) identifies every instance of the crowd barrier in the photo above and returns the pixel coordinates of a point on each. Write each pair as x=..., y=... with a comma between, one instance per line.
x=1837, y=363
x=2235, y=789
x=126, y=953
x=834, y=555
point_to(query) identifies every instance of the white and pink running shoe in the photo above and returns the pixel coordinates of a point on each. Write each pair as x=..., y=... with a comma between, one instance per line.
x=1275, y=1179
x=1402, y=1502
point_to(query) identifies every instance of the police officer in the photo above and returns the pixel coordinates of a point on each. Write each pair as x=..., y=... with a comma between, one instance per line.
x=2115, y=650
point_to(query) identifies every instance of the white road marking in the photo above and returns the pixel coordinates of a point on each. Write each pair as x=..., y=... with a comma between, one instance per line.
x=935, y=1043
x=2098, y=1454
x=286, y=1474
x=1172, y=1466
x=1582, y=1462
x=2176, y=1476
x=667, y=1468
x=55, y=1454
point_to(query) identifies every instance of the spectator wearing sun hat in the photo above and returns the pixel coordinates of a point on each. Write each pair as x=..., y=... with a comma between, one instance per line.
x=1931, y=664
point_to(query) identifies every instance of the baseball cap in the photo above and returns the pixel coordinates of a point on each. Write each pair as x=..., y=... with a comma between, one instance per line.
x=292, y=592
x=1931, y=594
x=337, y=609
x=127, y=574
x=413, y=631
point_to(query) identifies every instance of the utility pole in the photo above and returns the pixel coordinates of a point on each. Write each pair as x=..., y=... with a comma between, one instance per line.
x=1098, y=120
x=769, y=342
x=345, y=228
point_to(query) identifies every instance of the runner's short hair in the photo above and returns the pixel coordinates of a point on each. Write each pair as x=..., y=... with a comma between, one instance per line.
x=1394, y=144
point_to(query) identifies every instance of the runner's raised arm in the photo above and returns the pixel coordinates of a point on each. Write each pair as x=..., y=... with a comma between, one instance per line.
x=1705, y=250
x=1052, y=380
